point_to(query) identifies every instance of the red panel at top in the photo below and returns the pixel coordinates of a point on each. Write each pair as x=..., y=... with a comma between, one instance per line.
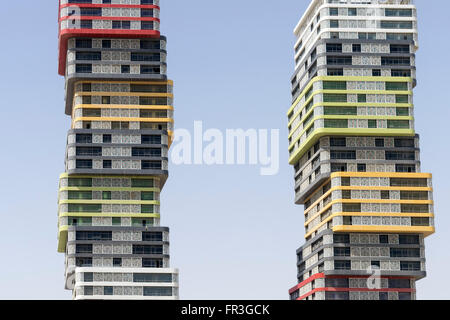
x=66, y=34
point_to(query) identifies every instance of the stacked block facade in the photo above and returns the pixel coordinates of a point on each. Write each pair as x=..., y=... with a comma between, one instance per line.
x=355, y=152
x=121, y=105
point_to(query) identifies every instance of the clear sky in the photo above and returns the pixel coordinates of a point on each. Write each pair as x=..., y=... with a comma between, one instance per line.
x=233, y=232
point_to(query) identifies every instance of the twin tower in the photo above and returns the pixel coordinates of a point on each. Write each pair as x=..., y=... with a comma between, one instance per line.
x=356, y=154
x=351, y=141
x=121, y=104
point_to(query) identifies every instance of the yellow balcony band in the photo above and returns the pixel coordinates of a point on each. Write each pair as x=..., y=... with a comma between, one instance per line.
x=121, y=106
x=366, y=201
x=381, y=175
x=375, y=214
x=426, y=231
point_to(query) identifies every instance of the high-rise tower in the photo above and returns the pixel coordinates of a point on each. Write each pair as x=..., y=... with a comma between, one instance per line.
x=121, y=104
x=356, y=154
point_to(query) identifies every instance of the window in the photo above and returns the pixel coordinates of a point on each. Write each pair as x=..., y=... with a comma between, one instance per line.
x=89, y=291
x=117, y=222
x=107, y=138
x=376, y=73
x=146, y=69
x=372, y=124
x=400, y=155
x=401, y=98
x=338, y=142
x=395, y=61
x=339, y=60
x=384, y=296
x=146, y=152
x=330, y=97
x=334, y=12
x=405, y=168
x=106, y=195
x=142, y=183
x=414, y=195
x=342, y=265
x=107, y=164
x=97, y=12
x=84, y=248
x=396, y=25
x=341, y=238
x=343, y=155
x=150, y=44
x=399, y=36
x=152, y=263
x=334, y=35
x=92, y=112
x=147, y=208
x=91, y=208
x=335, y=85
x=375, y=263
x=88, y=277
x=89, y=151
x=80, y=182
x=147, y=196
x=420, y=222
x=80, y=195
x=385, y=195
x=362, y=167
x=334, y=24
x=125, y=69
x=404, y=143
x=345, y=182
x=151, y=165
x=157, y=292
x=415, y=208
x=338, y=167
x=405, y=253
x=379, y=143
x=94, y=236
x=83, y=43
x=87, y=56
x=351, y=207
x=337, y=282
x=116, y=125
x=108, y=291
x=83, y=138
x=152, y=236
x=335, y=72
x=400, y=48
x=147, y=13
x=83, y=262
x=362, y=98
x=346, y=194
x=384, y=239
x=396, y=86
x=150, y=139
x=404, y=296
x=83, y=68
x=398, y=12
x=86, y=24
x=356, y=47
x=406, y=182
x=145, y=56
x=121, y=25
x=402, y=112
x=86, y=99
x=334, y=47
x=84, y=164
x=398, y=124
x=409, y=239
x=401, y=73
x=106, y=44
x=86, y=87
x=147, y=249
x=352, y=12
x=409, y=266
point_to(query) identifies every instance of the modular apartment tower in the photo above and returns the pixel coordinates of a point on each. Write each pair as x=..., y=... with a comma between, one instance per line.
x=352, y=142
x=121, y=105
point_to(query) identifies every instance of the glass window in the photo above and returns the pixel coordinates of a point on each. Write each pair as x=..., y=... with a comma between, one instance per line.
x=372, y=124
x=336, y=123
x=362, y=98
x=356, y=47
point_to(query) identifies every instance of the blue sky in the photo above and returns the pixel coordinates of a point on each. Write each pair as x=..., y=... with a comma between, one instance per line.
x=233, y=232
